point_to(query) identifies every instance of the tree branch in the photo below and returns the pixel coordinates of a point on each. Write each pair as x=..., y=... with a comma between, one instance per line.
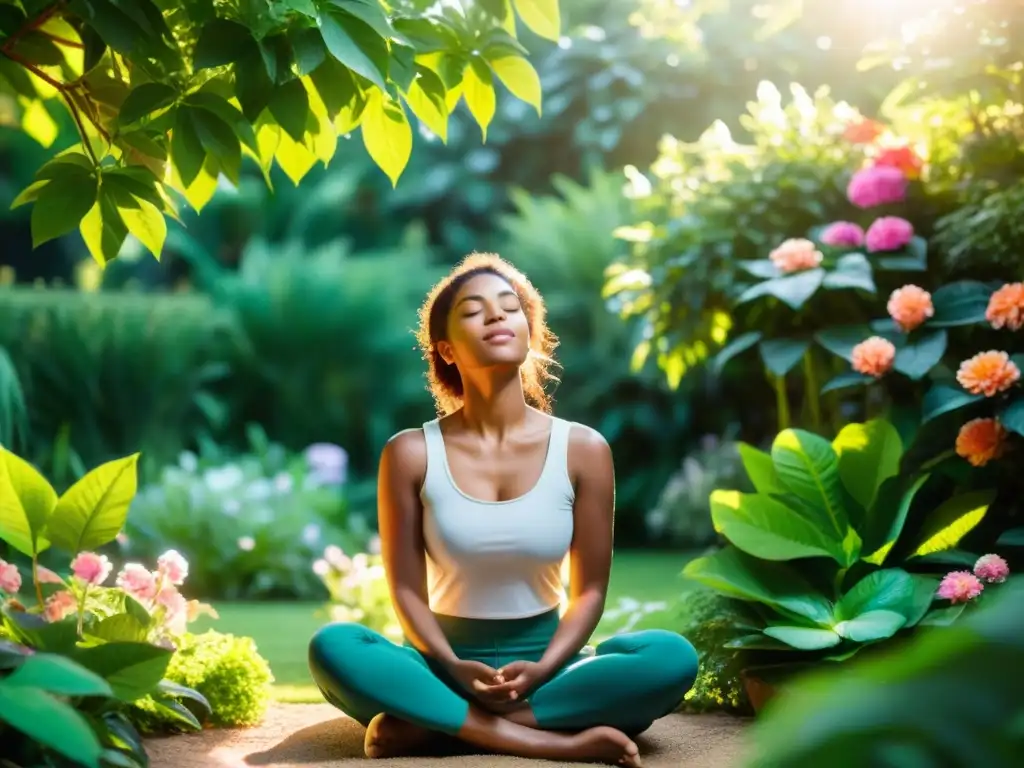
x=65, y=93
x=31, y=26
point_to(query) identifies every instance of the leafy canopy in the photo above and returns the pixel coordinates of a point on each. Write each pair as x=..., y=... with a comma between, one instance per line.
x=168, y=96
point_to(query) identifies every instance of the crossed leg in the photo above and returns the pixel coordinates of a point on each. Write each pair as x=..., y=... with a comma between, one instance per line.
x=580, y=714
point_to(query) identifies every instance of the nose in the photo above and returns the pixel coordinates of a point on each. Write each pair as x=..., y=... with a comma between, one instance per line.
x=495, y=314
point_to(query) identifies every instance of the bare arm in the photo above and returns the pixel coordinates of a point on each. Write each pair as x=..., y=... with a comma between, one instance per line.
x=400, y=521
x=590, y=462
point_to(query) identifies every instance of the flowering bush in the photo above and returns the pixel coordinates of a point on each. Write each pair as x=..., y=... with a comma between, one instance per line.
x=109, y=644
x=250, y=526
x=824, y=549
x=358, y=588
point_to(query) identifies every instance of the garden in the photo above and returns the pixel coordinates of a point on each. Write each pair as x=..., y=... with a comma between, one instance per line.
x=780, y=242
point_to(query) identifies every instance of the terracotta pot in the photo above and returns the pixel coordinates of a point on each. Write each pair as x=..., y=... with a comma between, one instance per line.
x=759, y=691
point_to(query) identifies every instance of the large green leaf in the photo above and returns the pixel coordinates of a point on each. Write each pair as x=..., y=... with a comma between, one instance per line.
x=737, y=346
x=51, y=722
x=387, y=134
x=781, y=355
x=121, y=627
x=852, y=271
x=845, y=381
x=1012, y=538
x=891, y=589
x=26, y=503
x=951, y=521
x=872, y=626
x=33, y=630
x=92, y=512
x=133, y=670
x=519, y=76
x=808, y=466
x=58, y=674
x=804, y=638
x=793, y=290
x=760, y=469
x=776, y=585
x=961, y=303
x=1012, y=416
x=943, y=398
x=62, y=204
x=841, y=340
x=869, y=454
x=915, y=358
x=885, y=519
x=541, y=16
x=356, y=45
x=765, y=527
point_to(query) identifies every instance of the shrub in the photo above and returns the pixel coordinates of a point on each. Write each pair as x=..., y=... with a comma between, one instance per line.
x=682, y=516
x=358, y=588
x=251, y=526
x=227, y=670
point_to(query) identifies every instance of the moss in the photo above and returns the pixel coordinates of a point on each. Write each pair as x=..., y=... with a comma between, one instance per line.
x=227, y=670
x=707, y=621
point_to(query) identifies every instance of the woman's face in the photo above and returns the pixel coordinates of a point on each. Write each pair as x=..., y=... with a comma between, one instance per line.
x=486, y=325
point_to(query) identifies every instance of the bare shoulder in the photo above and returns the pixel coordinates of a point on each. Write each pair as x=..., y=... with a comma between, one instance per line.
x=405, y=454
x=589, y=452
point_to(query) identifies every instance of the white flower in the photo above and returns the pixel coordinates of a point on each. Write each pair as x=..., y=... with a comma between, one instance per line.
x=321, y=568
x=220, y=479
x=247, y=543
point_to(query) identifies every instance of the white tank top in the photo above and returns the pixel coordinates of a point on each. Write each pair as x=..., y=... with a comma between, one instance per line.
x=497, y=559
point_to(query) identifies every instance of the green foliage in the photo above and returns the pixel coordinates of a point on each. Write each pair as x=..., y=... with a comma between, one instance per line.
x=168, y=96
x=13, y=411
x=227, y=671
x=682, y=516
x=250, y=525
x=563, y=242
x=359, y=590
x=55, y=711
x=814, y=546
x=893, y=710
x=709, y=621
x=113, y=370
x=714, y=204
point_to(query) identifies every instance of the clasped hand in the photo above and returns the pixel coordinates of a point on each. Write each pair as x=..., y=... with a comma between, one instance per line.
x=498, y=687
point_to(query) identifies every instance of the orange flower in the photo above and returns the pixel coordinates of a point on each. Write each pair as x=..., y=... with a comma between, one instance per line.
x=863, y=132
x=1006, y=307
x=796, y=254
x=904, y=158
x=988, y=373
x=980, y=441
x=910, y=306
x=874, y=357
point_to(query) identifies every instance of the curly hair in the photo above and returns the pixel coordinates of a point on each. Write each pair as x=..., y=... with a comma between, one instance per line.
x=443, y=380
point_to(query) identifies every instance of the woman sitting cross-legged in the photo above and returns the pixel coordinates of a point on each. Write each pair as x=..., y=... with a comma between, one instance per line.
x=477, y=512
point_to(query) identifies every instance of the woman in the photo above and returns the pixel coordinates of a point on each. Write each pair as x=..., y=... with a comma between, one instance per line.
x=477, y=511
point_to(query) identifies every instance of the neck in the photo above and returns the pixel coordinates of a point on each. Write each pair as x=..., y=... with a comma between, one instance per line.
x=494, y=403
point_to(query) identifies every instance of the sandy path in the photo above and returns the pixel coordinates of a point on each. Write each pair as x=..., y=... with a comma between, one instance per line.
x=304, y=735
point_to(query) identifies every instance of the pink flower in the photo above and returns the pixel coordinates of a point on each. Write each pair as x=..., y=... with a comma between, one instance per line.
x=991, y=568
x=873, y=357
x=843, y=234
x=959, y=587
x=876, y=186
x=173, y=566
x=46, y=576
x=176, y=606
x=137, y=581
x=889, y=233
x=91, y=568
x=10, y=578
x=795, y=255
x=910, y=306
x=59, y=605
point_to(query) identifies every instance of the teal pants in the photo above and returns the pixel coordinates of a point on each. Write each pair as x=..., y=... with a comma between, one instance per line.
x=632, y=680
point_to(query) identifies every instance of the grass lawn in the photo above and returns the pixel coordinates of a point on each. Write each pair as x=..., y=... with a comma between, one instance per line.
x=282, y=630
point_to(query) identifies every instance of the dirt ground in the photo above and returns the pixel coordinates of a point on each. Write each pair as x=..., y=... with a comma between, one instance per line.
x=318, y=736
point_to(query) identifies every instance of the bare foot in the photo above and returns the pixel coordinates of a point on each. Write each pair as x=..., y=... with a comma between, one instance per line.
x=607, y=745
x=387, y=736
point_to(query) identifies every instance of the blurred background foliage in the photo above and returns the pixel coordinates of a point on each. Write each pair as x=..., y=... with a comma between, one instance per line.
x=292, y=308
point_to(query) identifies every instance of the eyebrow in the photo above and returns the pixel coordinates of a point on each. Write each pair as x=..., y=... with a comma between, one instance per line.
x=477, y=297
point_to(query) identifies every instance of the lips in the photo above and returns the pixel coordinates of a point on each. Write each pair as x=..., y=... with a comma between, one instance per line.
x=499, y=333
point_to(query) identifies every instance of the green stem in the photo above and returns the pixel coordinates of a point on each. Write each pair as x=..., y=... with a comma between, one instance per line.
x=781, y=402
x=811, y=387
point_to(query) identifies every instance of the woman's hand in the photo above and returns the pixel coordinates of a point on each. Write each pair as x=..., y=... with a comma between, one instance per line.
x=478, y=679
x=520, y=678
